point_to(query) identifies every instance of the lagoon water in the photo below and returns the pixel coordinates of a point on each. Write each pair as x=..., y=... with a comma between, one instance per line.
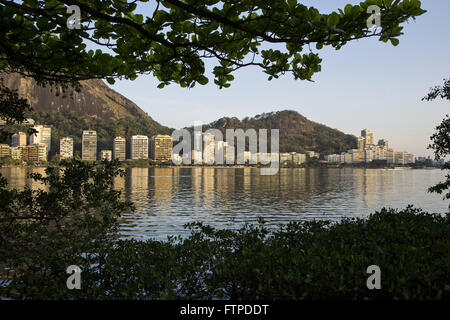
x=168, y=198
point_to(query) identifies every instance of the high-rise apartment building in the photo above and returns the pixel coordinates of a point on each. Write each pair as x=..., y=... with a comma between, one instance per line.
x=358, y=155
x=197, y=147
x=42, y=151
x=383, y=143
x=408, y=157
x=35, y=153
x=221, y=148
x=368, y=135
x=66, y=148
x=139, y=147
x=19, y=139
x=43, y=135
x=119, y=148
x=208, y=148
x=5, y=150
x=161, y=147
x=399, y=157
x=16, y=153
x=361, y=143
x=369, y=155
x=390, y=156
x=89, y=145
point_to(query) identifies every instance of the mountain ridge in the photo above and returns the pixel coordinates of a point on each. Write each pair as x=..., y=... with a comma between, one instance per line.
x=98, y=107
x=95, y=107
x=297, y=133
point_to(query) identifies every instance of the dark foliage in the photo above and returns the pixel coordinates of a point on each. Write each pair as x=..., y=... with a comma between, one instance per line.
x=75, y=212
x=303, y=260
x=441, y=138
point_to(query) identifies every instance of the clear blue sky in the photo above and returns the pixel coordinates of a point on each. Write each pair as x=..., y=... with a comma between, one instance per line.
x=367, y=84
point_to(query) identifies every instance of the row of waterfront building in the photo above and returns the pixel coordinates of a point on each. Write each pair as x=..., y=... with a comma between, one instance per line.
x=204, y=148
x=36, y=150
x=160, y=148
x=367, y=152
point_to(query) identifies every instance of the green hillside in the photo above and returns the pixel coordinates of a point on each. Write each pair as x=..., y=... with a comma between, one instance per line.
x=98, y=107
x=95, y=107
x=297, y=133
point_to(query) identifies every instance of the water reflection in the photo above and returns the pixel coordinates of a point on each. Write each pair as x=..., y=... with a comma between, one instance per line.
x=167, y=198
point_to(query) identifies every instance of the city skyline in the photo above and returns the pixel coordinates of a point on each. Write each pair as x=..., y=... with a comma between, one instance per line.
x=159, y=147
x=365, y=82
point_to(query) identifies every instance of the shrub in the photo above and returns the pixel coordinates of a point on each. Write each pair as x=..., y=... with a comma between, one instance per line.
x=302, y=260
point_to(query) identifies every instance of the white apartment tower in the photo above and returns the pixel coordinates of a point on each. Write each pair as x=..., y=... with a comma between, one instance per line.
x=19, y=139
x=66, y=148
x=43, y=135
x=139, y=147
x=368, y=135
x=89, y=145
x=119, y=148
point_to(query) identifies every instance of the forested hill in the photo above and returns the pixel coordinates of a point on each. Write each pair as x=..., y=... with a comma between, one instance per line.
x=95, y=107
x=297, y=133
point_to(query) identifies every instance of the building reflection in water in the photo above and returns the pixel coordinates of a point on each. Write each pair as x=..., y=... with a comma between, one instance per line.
x=18, y=177
x=138, y=184
x=162, y=185
x=168, y=198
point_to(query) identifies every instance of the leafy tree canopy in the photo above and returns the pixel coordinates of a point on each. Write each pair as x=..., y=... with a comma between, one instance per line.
x=441, y=138
x=439, y=92
x=175, y=39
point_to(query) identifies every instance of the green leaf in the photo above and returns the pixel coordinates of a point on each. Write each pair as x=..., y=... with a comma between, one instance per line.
x=333, y=19
x=395, y=42
x=203, y=80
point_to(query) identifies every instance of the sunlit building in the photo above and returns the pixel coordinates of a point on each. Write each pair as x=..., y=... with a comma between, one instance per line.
x=161, y=147
x=358, y=155
x=368, y=135
x=383, y=143
x=119, y=148
x=208, y=148
x=43, y=135
x=299, y=158
x=89, y=145
x=66, y=148
x=5, y=150
x=19, y=139
x=139, y=147
x=197, y=147
x=34, y=153
x=16, y=153
x=42, y=152
x=221, y=147
x=285, y=158
x=408, y=158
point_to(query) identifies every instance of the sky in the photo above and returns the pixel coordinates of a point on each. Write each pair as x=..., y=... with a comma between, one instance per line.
x=366, y=84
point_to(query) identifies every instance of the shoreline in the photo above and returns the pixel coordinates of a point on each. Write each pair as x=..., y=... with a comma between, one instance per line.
x=230, y=166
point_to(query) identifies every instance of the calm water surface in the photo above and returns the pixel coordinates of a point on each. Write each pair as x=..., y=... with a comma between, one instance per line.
x=168, y=198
